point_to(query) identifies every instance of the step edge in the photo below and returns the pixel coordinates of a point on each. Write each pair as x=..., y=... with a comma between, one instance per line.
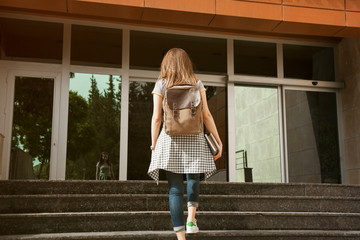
x=206, y=196
x=165, y=182
x=216, y=213
x=269, y=233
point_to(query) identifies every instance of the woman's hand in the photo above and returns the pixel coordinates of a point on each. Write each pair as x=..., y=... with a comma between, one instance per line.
x=218, y=155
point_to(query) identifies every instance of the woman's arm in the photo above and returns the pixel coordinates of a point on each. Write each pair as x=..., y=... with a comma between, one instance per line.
x=156, y=119
x=210, y=124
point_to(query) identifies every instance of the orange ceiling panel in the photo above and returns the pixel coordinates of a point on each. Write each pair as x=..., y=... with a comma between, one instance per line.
x=176, y=17
x=248, y=24
x=353, y=5
x=307, y=29
x=327, y=4
x=130, y=3
x=246, y=15
x=186, y=12
x=43, y=5
x=264, y=1
x=349, y=32
x=313, y=16
x=304, y=17
x=124, y=9
x=247, y=9
x=353, y=19
x=311, y=21
x=197, y=6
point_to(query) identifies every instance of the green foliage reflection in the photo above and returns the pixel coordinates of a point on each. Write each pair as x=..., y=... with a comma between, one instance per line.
x=94, y=127
x=139, y=136
x=31, y=133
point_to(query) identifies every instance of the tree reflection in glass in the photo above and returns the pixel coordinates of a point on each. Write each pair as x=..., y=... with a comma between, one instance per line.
x=31, y=131
x=139, y=135
x=94, y=124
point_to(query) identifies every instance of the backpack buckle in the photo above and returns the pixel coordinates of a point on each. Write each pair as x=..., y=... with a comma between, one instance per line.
x=193, y=110
x=175, y=111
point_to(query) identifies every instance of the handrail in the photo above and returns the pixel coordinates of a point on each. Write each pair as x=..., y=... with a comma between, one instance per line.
x=244, y=155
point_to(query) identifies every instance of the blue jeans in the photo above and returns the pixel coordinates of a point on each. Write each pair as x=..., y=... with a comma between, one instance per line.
x=176, y=196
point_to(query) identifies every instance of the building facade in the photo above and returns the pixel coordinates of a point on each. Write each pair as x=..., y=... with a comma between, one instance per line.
x=281, y=75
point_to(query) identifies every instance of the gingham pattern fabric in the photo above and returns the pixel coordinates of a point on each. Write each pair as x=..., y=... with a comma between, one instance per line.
x=181, y=154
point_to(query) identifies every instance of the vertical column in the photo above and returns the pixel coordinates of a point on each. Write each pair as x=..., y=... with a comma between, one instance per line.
x=231, y=111
x=4, y=98
x=281, y=106
x=1, y=153
x=282, y=129
x=55, y=127
x=124, y=122
x=339, y=106
x=280, y=60
x=9, y=110
x=64, y=107
x=3, y=86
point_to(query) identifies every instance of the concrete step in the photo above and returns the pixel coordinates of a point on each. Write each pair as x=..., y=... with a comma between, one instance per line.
x=19, y=187
x=157, y=202
x=11, y=224
x=207, y=234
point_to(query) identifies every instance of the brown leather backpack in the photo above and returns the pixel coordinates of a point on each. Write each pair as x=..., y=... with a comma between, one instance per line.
x=183, y=110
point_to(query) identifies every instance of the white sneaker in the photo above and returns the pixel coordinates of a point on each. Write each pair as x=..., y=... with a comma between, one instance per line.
x=191, y=227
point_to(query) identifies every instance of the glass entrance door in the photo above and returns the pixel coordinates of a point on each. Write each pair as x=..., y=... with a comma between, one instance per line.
x=93, y=127
x=312, y=136
x=258, y=154
x=31, y=128
x=139, y=131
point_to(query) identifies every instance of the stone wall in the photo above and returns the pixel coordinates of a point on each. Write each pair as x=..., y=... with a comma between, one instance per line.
x=348, y=71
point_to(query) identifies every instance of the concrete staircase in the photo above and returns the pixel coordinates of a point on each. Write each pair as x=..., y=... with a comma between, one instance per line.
x=139, y=210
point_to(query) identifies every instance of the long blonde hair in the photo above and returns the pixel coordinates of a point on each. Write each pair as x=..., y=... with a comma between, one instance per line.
x=177, y=69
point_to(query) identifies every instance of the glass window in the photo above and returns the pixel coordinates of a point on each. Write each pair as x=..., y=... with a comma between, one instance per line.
x=257, y=142
x=94, y=125
x=32, y=128
x=312, y=137
x=24, y=40
x=255, y=58
x=216, y=98
x=147, y=50
x=95, y=46
x=306, y=62
x=139, y=133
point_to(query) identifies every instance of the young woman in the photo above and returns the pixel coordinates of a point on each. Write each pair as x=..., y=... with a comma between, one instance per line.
x=179, y=155
x=104, y=169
